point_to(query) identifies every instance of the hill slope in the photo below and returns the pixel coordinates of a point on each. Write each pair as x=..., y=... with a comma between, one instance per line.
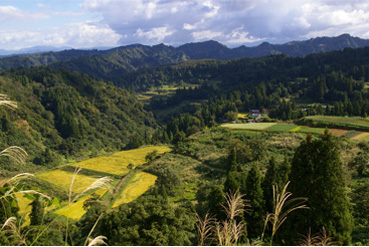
x=64, y=114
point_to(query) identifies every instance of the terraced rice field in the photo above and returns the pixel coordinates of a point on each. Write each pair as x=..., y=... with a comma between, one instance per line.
x=348, y=121
x=117, y=163
x=73, y=211
x=139, y=184
x=24, y=208
x=248, y=126
x=63, y=179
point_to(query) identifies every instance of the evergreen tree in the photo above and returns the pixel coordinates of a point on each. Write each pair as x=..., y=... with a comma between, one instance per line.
x=284, y=172
x=271, y=178
x=233, y=182
x=318, y=175
x=254, y=193
x=232, y=160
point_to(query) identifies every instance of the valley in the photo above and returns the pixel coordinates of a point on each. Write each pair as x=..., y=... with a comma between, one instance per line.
x=141, y=143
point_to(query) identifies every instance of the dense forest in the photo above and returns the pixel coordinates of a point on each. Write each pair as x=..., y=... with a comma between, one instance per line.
x=216, y=186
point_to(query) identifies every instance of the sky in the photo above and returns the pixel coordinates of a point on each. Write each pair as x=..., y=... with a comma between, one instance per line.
x=110, y=23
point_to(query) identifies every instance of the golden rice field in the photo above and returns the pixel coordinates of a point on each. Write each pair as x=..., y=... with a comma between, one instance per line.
x=73, y=211
x=140, y=183
x=117, y=163
x=63, y=179
x=24, y=208
x=242, y=115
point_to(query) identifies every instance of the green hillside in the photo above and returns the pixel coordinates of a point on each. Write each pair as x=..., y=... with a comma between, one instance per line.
x=68, y=115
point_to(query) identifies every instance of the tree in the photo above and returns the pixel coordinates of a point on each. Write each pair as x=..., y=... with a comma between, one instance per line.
x=271, y=178
x=318, y=175
x=232, y=160
x=284, y=172
x=254, y=193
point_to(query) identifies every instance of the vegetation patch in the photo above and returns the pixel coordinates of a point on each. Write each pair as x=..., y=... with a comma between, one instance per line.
x=63, y=179
x=338, y=132
x=364, y=136
x=140, y=183
x=117, y=163
x=306, y=129
x=282, y=127
x=352, y=134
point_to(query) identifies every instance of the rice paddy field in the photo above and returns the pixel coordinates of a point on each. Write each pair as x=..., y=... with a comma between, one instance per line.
x=73, y=211
x=248, y=126
x=139, y=184
x=285, y=127
x=117, y=164
x=63, y=179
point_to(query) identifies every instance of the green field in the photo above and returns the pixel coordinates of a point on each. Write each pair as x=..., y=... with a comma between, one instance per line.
x=117, y=163
x=140, y=183
x=282, y=127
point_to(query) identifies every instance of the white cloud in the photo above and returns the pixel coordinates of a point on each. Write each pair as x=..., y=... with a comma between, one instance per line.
x=10, y=13
x=174, y=22
x=230, y=21
x=78, y=35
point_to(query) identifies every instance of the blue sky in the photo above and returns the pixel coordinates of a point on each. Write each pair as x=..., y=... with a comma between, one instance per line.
x=96, y=23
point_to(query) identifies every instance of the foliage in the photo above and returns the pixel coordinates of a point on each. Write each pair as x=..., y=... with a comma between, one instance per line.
x=149, y=220
x=317, y=174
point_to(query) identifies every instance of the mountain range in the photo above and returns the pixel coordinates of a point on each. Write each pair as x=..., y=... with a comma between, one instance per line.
x=112, y=63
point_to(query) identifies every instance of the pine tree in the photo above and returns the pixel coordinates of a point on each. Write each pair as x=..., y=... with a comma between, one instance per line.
x=318, y=175
x=254, y=193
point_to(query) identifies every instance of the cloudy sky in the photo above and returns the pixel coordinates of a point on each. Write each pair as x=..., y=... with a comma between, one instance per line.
x=96, y=23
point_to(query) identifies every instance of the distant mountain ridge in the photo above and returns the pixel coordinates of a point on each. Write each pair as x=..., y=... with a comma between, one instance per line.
x=112, y=63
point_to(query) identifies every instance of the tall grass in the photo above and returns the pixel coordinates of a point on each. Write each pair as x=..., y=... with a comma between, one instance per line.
x=282, y=206
x=226, y=232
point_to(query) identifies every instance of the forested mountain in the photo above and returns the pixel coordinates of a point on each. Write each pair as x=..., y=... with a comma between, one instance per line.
x=63, y=114
x=336, y=78
x=113, y=63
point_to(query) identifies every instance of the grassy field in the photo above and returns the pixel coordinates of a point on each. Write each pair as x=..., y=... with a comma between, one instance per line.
x=282, y=127
x=63, y=179
x=140, y=183
x=117, y=163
